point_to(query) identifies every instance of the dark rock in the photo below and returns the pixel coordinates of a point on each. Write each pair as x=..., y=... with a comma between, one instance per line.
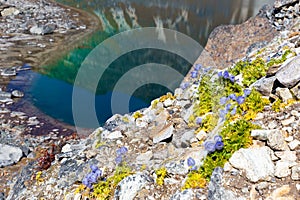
x=19, y=185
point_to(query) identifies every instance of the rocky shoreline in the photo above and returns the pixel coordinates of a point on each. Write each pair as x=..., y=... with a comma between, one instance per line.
x=225, y=134
x=32, y=33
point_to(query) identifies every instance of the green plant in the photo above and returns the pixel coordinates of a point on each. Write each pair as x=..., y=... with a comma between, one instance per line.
x=137, y=115
x=104, y=189
x=194, y=180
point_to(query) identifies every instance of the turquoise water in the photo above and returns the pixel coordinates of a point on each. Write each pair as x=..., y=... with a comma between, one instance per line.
x=51, y=87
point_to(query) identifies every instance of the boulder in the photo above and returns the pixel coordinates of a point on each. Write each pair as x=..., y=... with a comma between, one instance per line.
x=264, y=85
x=289, y=73
x=256, y=162
x=9, y=155
x=42, y=30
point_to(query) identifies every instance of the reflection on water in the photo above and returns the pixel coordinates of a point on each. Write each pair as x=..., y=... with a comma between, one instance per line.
x=195, y=18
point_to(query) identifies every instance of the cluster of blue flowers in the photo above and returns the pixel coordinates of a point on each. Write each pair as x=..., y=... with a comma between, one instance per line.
x=199, y=120
x=226, y=75
x=92, y=177
x=191, y=163
x=228, y=107
x=120, y=152
x=212, y=146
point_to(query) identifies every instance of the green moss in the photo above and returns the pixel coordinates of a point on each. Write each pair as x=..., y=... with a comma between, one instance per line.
x=276, y=105
x=104, y=189
x=209, y=122
x=154, y=103
x=205, y=96
x=161, y=174
x=125, y=119
x=167, y=96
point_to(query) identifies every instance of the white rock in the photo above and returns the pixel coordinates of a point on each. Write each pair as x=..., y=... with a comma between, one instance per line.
x=67, y=148
x=287, y=155
x=130, y=186
x=288, y=74
x=164, y=134
x=144, y=158
x=296, y=173
x=294, y=144
x=168, y=102
x=111, y=135
x=288, y=121
x=282, y=169
x=9, y=155
x=256, y=162
x=284, y=94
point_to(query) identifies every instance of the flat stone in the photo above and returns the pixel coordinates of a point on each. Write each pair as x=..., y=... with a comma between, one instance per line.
x=164, y=134
x=130, y=186
x=264, y=85
x=289, y=75
x=168, y=102
x=256, y=162
x=284, y=94
x=282, y=169
x=287, y=155
x=296, y=173
x=9, y=11
x=9, y=155
x=112, y=135
x=294, y=144
x=67, y=148
x=9, y=72
x=288, y=121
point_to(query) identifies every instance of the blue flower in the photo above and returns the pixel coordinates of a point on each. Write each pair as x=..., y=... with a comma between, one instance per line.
x=122, y=151
x=223, y=100
x=198, y=67
x=247, y=92
x=268, y=59
x=240, y=100
x=191, y=162
x=98, y=172
x=223, y=113
x=226, y=75
x=228, y=106
x=218, y=138
x=194, y=74
x=185, y=85
x=231, y=78
x=220, y=74
x=85, y=181
x=233, y=112
x=232, y=96
x=118, y=159
x=94, y=168
x=209, y=146
x=219, y=145
x=198, y=120
x=93, y=178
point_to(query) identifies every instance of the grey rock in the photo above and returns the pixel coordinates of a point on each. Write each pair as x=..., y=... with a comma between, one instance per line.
x=256, y=162
x=296, y=173
x=296, y=91
x=276, y=140
x=9, y=155
x=182, y=138
x=176, y=168
x=184, y=195
x=288, y=121
x=294, y=144
x=42, y=30
x=282, y=169
x=9, y=72
x=5, y=94
x=111, y=135
x=17, y=93
x=284, y=94
x=215, y=189
x=289, y=75
x=264, y=85
x=281, y=3
x=130, y=186
x=9, y=11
